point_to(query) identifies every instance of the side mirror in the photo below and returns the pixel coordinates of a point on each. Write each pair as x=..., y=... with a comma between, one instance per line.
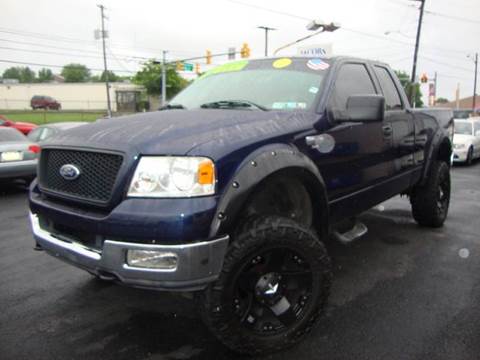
x=365, y=108
x=8, y=123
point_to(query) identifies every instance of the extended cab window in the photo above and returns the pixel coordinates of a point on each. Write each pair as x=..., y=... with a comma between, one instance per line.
x=352, y=79
x=392, y=97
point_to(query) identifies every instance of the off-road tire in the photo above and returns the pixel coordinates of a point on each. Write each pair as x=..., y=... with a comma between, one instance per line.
x=425, y=199
x=260, y=234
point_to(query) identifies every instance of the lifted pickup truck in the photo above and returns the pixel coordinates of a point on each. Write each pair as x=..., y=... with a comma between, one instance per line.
x=232, y=189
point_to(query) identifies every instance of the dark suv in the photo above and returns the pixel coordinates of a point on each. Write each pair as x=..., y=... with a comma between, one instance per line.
x=44, y=102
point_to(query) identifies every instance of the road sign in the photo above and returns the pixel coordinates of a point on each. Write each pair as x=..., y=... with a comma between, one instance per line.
x=319, y=50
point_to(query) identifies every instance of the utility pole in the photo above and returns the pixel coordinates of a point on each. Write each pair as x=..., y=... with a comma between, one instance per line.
x=475, y=84
x=415, y=54
x=267, y=29
x=164, y=78
x=107, y=85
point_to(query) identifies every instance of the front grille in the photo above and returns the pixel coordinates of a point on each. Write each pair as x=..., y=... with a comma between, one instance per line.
x=98, y=172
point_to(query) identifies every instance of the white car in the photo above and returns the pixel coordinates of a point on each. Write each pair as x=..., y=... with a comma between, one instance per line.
x=466, y=140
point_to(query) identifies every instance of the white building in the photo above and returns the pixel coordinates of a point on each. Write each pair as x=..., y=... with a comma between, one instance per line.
x=72, y=96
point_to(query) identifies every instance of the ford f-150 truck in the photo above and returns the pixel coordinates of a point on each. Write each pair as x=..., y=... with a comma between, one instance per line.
x=231, y=190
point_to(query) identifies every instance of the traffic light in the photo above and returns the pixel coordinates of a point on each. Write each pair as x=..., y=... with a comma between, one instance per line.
x=245, y=51
x=197, y=68
x=180, y=66
x=208, y=58
x=424, y=78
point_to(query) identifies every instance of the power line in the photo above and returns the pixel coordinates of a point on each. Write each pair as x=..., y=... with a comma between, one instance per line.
x=55, y=66
x=91, y=43
x=270, y=10
x=364, y=33
x=68, y=49
x=445, y=64
x=451, y=17
x=435, y=13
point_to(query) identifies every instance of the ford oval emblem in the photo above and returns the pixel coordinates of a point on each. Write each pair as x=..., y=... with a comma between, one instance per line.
x=69, y=172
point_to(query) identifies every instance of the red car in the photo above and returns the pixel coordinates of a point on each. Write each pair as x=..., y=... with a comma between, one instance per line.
x=23, y=127
x=44, y=102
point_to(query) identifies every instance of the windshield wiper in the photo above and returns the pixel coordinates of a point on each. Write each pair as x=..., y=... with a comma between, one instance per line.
x=232, y=104
x=172, y=107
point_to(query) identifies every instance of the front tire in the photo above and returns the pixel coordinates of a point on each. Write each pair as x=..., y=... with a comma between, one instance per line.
x=274, y=284
x=430, y=202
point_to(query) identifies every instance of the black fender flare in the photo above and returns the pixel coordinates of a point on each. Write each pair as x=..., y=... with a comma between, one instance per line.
x=256, y=167
x=439, y=140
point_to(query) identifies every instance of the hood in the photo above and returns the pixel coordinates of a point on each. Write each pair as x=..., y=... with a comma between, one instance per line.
x=462, y=139
x=180, y=132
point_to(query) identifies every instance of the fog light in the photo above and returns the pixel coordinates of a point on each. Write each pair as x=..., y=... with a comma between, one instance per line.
x=152, y=259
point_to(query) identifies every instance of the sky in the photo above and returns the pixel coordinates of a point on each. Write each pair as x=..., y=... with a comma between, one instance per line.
x=57, y=32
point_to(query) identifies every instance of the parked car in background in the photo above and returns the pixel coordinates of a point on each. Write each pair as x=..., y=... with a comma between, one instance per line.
x=18, y=155
x=466, y=141
x=23, y=127
x=463, y=113
x=44, y=132
x=44, y=102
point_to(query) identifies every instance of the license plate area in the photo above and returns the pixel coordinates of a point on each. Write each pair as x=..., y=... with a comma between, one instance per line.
x=11, y=156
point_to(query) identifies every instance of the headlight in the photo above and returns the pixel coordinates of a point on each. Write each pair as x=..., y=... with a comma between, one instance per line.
x=165, y=176
x=459, y=146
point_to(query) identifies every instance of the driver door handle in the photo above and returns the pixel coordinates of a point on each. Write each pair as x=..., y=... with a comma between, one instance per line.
x=387, y=130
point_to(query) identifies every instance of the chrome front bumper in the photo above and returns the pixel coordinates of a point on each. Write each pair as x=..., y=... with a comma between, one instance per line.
x=198, y=263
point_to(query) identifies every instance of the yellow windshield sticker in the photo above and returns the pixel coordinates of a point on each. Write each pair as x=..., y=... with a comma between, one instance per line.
x=281, y=63
x=234, y=66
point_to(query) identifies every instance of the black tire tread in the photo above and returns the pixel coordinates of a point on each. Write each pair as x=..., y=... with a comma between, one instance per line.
x=256, y=231
x=424, y=198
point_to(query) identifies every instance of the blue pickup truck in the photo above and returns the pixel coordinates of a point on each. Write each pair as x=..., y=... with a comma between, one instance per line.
x=230, y=191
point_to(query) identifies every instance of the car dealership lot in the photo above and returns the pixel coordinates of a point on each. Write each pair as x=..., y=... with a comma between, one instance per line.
x=401, y=292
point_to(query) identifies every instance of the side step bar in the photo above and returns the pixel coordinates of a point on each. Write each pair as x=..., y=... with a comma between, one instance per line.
x=357, y=231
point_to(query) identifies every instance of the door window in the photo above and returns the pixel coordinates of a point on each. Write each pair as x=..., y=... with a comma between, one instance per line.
x=393, y=100
x=352, y=79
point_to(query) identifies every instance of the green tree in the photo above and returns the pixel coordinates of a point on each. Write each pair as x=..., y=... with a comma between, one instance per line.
x=45, y=75
x=22, y=74
x=407, y=86
x=75, y=73
x=441, y=100
x=111, y=76
x=151, y=78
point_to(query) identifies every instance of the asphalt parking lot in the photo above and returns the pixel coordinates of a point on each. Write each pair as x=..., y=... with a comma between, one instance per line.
x=401, y=292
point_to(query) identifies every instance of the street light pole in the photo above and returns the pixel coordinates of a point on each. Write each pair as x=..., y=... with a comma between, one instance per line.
x=475, y=84
x=312, y=26
x=107, y=85
x=415, y=54
x=164, y=78
x=267, y=29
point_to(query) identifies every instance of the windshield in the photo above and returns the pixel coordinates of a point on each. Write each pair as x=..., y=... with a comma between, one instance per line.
x=463, y=128
x=7, y=134
x=260, y=84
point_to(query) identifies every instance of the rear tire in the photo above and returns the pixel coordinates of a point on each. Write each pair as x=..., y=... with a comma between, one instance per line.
x=273, y=286
x=430, y=202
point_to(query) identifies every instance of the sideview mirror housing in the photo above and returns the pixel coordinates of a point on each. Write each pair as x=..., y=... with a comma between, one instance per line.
x=365, y=108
